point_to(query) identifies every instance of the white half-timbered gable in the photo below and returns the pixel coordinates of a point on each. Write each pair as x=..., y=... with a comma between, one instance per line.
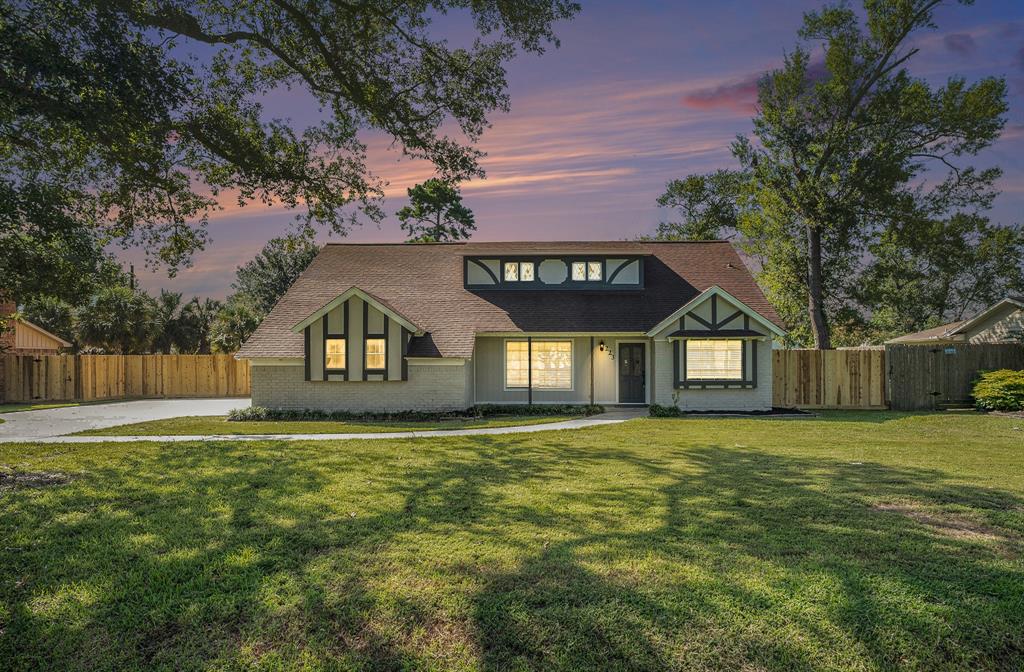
x=716, y=342
x=356, y=337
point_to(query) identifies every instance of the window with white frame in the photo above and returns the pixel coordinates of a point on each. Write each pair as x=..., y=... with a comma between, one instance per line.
x=511, y=272
x=714, y=359
x=547, y=363
x=579, y=270
x=594, y=270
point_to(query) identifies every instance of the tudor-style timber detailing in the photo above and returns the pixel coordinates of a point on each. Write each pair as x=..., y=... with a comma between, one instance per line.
x=344, y=335
x=714, y=329
x=376, y=371
x=432, y=323
x=554, y=272
x=305, y=352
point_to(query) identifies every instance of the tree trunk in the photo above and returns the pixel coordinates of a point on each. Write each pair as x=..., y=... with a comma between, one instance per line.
x=815, y=303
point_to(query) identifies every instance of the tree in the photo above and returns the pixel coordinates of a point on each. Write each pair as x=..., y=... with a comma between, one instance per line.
x=939, y=271
x=435, y=213
x=266, y=278
x=707, y=205
x=840, y=157
x=196, y=322
x=167, y=321
x=126, y=119
x=235, y=323
x=117, y=319
x=51, y=313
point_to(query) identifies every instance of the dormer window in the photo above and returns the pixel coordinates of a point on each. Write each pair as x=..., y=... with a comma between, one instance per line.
x=594, y=270
x=579, y=271
x=519, y=271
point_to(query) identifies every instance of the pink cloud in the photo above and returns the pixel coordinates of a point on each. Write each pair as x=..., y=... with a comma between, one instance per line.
x=739, y=95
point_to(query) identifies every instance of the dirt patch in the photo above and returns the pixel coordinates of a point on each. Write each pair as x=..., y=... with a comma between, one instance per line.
x=953, y=525
x=12, y=480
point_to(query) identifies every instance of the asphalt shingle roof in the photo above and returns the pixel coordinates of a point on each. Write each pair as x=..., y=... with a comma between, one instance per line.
x=424, y=283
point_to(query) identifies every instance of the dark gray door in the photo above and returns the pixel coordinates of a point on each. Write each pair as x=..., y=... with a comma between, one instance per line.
x=632, y=378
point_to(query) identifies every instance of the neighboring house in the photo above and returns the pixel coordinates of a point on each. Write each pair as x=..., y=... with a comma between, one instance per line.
x=447, y=326
x=1001, y=323
x=21, y=337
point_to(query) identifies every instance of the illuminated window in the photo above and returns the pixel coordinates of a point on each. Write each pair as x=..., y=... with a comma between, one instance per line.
x=579, y=270
x=714, y=359
x=526, y=271
x=511, y=272
x=593, y=270
x=375, y=353
x=334, y=353
x=550, y=369
x=516, y=364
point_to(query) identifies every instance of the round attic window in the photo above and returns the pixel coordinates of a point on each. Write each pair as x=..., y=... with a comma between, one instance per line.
x=553, y=271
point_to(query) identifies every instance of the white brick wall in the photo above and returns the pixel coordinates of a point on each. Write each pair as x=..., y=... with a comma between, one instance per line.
x=756, y=399
x=429, y=388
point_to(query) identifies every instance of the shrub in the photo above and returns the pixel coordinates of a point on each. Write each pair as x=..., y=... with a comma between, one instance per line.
x=1001, y=390
x=659, y=411
x=256, y=413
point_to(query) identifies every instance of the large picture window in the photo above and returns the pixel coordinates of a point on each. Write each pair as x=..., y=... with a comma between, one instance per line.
x=375, y=354
x=550, y=366
x=714, y=359
x=334, y=353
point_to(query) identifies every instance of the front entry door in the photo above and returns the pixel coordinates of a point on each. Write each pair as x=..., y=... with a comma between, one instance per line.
x=632, y=377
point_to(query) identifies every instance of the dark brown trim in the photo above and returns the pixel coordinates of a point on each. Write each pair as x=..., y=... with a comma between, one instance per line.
x=536, y=284
x=480, y=264
x=753, y=363
x=714, y=311
x=405, y=354
x=305, y=351
x=729, y=319
x=676, y=377
x=701, y=320
x=529, y=370
x=326, y=334
x=367, y=371
x=591, y=370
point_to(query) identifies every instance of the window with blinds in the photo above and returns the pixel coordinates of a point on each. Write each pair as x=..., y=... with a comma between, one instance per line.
x=550, y=366
x=375, y=354
x=714, y=359
x=334, y=353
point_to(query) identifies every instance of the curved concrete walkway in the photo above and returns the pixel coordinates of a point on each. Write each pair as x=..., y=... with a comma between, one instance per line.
x=609, y=418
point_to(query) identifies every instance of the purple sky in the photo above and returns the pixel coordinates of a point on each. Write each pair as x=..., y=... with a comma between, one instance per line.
x=638, y=94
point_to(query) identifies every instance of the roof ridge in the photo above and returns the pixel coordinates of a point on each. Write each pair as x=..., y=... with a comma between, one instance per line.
x=529, y=242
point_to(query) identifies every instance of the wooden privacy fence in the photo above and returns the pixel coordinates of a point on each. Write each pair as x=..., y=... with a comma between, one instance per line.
x=829, y=378
x=933, y=376
x=25, y=378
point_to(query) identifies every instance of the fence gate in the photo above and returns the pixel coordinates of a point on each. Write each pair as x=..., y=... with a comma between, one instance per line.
x=928, y=377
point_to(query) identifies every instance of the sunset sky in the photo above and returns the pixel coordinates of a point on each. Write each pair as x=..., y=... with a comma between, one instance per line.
x=639, y=93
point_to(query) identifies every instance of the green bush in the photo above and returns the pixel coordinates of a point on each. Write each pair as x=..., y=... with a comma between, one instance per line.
x=659, y=411
x=1001, y=390
x=254, y=413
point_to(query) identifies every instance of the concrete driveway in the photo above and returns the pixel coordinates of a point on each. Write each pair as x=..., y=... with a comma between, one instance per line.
x=55, y=422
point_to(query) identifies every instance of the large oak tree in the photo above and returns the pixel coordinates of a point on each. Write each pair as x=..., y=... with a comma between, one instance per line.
x=128, y=119
x=842, y=153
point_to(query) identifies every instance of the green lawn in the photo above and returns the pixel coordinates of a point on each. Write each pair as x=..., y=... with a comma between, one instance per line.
x=850, y=542
x=196, y=425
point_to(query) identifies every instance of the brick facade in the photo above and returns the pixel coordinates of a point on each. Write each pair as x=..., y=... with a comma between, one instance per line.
x=429, y=388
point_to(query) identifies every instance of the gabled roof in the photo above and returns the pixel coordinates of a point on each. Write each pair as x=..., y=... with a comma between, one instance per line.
x=948, y=331
x=379, y=304
x=424, y=283
x=44, y=332
x=715, y=290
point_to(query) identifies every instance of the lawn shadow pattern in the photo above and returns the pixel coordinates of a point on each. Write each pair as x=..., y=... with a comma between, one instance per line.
x=555, y=551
